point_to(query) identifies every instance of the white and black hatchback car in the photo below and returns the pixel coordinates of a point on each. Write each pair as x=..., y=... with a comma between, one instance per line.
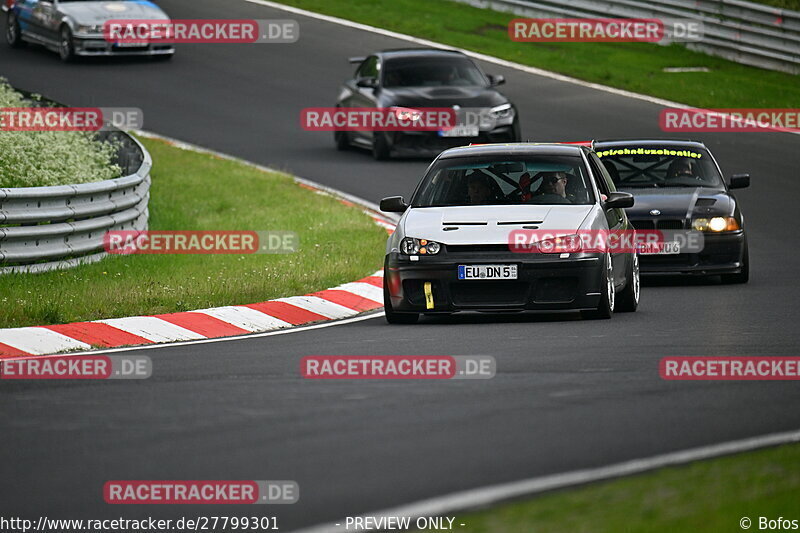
x=453, y=249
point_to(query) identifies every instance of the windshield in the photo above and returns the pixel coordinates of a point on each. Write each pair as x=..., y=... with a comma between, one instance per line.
x=432, y=72
x=529, y=180
x=635, y=166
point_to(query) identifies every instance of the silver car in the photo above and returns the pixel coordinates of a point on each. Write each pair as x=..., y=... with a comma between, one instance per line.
x=75, y=27
x=454, y=247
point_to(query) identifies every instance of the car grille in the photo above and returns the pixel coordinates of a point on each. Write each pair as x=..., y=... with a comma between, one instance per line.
x=473, y=293
x=473, y=248
x=668, y=223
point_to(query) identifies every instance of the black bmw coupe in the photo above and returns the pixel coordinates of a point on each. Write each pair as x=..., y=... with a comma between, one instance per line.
x=678, y=186
x=427, y=78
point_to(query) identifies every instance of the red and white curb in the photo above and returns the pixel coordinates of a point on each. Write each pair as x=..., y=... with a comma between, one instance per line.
x=336, y=303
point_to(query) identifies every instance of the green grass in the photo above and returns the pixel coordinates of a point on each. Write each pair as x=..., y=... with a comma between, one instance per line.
x=193, y=191
x=709, y=496
x=632, y=66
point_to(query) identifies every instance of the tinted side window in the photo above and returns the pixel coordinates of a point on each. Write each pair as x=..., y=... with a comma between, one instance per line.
x=606, y=186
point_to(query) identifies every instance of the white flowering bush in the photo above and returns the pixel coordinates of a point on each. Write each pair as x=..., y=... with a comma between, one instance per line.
x=40, y=158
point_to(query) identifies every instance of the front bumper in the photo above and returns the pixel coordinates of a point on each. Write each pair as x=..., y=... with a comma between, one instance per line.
x=721, y=254
x=429, y=143
x=98, y=46
x=544, y=283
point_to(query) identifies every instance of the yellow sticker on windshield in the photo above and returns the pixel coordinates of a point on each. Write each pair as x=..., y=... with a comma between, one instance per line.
x=649, y=151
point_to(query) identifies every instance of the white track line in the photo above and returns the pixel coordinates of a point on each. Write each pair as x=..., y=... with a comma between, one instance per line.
x=494, y=494
x=37, y=341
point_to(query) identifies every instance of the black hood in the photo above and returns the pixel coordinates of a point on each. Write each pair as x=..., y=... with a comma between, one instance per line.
x=678, y=202
x=441, y=97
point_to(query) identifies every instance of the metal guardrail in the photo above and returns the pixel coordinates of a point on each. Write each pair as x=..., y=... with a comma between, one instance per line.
x=48, y=228
x=752, y=34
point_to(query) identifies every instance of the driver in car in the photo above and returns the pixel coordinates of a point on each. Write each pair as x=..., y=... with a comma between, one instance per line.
x=479, y=191
x=680, y=168
x=553, y=189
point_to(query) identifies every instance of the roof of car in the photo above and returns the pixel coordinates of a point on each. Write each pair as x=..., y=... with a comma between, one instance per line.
x=649, y=142
x=512, y=149
x=417, y=52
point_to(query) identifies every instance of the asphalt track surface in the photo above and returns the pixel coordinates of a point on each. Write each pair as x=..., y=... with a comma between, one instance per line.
x=568, y=394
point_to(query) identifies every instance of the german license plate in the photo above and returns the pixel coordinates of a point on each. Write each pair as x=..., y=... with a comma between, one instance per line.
x=137, y=44
x=460, y=131
x=661, y=248
x=487, y=272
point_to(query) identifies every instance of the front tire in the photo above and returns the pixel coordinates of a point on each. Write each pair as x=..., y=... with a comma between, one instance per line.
x=341, y=140
x=13, y=31
x=391, y=316
x=380, y=147
x=628, y=299
x=744, y=275
x=607, y=297
x=66, y=46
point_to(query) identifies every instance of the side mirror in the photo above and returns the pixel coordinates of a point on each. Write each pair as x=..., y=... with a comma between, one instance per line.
x=394, y=204
x=739, y=181
x=497, y=79
x=619, y=200
x=368, y=83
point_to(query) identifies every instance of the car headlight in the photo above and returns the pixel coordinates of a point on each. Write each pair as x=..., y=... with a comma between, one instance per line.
x=716, y=224
x=411, y=246
x=566, y=244
x=404, y=113
x=90, y=28
x=502, y=111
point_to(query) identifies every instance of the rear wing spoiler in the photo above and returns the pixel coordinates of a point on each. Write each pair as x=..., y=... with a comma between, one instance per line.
x=356, y=60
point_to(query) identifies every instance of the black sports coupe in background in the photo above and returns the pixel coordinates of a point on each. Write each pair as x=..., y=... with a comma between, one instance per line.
x=427, y=78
